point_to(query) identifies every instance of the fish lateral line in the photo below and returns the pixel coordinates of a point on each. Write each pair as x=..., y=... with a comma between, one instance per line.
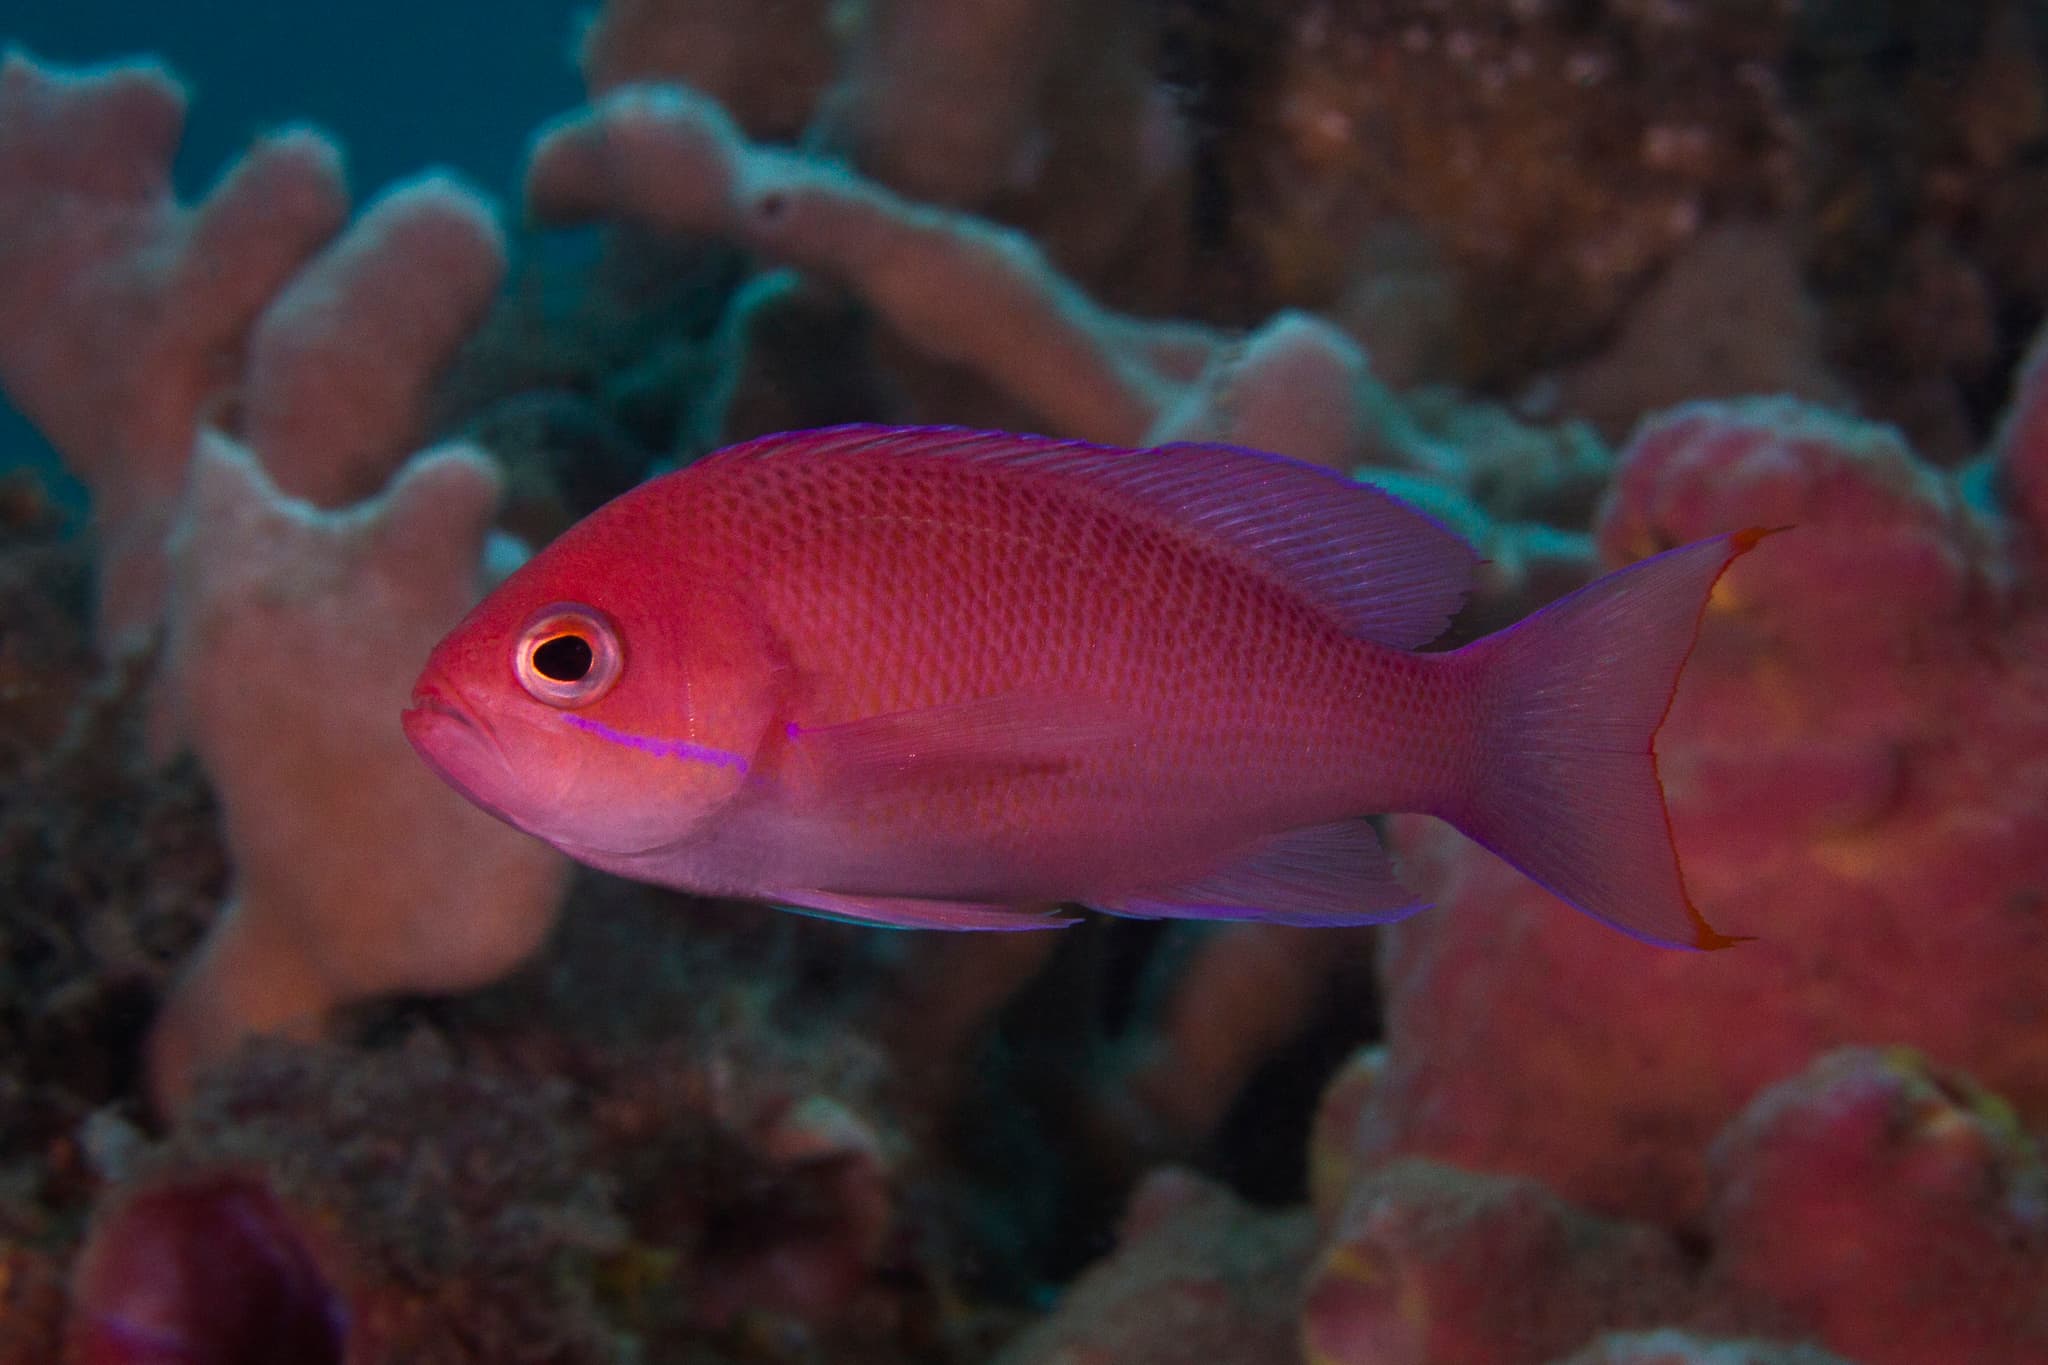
x=683, y=749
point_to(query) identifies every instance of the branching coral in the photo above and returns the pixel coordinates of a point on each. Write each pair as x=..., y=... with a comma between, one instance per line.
x=767, y=63
x=121, y=311
x=128, y=322
x=128, y=319
x=959, y=289
x=1019, y=109
x=294, y=634
x=1015, y=108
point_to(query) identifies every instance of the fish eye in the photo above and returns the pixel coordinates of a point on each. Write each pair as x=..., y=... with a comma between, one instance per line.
x=568, y=656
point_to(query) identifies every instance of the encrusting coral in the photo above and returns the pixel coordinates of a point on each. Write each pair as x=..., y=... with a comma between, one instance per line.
x=1888, y=1211
x=336, y=1210
x=1199, y=1278
x=1845, y=761
x=1847, y=766
x=1498, y=134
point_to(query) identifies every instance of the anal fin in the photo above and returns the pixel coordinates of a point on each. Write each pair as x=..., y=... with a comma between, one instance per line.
x=913, y=912
x=1324, y=875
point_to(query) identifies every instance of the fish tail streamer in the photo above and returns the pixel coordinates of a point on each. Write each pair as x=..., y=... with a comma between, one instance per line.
x=1573, y=697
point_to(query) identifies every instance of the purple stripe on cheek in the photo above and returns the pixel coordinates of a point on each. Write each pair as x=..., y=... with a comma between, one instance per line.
x=661, y=748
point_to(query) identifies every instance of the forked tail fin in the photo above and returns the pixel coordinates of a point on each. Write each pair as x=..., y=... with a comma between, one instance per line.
x=1573, y=698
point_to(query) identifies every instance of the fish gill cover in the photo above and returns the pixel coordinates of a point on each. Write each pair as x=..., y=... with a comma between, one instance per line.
x=303, y=1054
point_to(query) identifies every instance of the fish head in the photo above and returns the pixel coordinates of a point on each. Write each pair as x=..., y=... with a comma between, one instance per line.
x=610, y=713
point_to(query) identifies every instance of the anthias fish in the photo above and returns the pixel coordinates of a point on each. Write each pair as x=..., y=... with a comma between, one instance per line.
x=953, y=679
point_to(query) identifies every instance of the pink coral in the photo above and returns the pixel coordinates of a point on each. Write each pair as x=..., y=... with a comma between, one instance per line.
x=1017, y=108
x=767, y=63
x=1428, y=1265
x=1870, y=1205
x=342, y=360
x=1853, y=764
x=205, y=1271
x=1898, y=1213
x=329, y=1207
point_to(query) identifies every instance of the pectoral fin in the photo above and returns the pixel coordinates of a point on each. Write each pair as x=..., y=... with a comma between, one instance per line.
x=997, y=736
x=1328, y=875
x=910, y=912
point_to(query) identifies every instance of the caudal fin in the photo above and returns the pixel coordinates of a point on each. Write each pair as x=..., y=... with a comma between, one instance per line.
x=1574, y=696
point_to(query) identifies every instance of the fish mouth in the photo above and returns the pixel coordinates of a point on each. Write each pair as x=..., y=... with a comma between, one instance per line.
x=453, y=740
x=428, y=701
x=432, y=718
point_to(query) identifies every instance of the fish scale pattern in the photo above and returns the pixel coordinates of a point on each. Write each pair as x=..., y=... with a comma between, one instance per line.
x=897, y=584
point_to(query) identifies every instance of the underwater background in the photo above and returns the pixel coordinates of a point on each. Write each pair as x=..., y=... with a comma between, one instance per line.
x=314, y=321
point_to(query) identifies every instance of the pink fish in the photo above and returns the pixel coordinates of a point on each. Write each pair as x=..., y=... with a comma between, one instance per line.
x=955, y=679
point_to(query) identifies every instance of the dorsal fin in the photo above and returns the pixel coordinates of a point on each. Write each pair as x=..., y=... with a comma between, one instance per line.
x=1382, y=570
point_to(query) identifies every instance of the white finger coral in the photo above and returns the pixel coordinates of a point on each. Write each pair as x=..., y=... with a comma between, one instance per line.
x=123, y=313
x=132, y=325
x=127, y=318
x=295, y=637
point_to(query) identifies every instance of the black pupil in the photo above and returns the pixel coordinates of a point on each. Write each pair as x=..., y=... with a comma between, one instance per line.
x=564, y=659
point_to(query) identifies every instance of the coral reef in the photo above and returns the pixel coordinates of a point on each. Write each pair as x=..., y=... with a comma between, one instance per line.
x=325, y=616
x=767, y=63
x=1825, y=795
x=122, y=309
x=1198, y=1277
x=1890, y=1212
x=315, y=1208
x=962, y=291
x=1496, y=133
x=694, y=1131
x=318, y=345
